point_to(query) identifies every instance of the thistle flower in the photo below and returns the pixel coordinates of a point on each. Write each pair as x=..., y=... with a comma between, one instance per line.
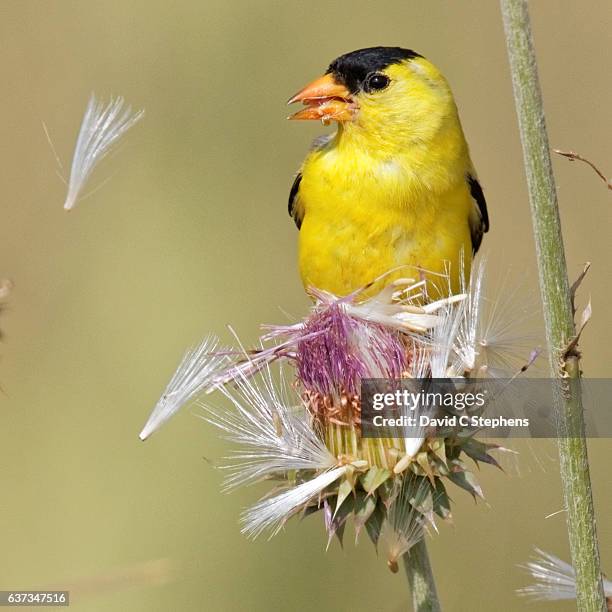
x=340, y=348
x=101, y=128
x=301, y=428
x=554, y=579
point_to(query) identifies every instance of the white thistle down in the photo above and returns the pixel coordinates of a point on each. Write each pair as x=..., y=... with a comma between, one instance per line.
x=467, y=341
x=414, y=442
x=195, y=373
x=419, y=369
x=101, y=128
x=491, y=340
x=554, y=579
x=405, y=524
x=271, y=513
x=270, y=424
x=442, y=362
x=472, y=335
x=396, y=307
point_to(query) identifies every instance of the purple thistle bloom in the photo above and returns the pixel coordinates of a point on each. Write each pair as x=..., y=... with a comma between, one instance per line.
x=338, y=350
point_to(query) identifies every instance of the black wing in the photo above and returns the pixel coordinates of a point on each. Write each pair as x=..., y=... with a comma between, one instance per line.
x=294, y=208
x=479, y=217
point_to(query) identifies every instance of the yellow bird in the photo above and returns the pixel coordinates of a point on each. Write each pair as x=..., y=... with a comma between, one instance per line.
x=394, y=187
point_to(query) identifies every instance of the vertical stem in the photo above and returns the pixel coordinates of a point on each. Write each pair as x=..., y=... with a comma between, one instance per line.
x=557, y=305
x=421, y=579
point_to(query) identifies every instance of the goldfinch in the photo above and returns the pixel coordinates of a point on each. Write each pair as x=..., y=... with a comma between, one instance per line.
x=393, y=190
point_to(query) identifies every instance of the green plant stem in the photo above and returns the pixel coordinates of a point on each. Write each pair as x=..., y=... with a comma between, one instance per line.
x=557, y=305
x=421, y=579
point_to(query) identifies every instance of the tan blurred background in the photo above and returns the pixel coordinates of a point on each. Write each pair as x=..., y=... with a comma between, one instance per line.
x=191, y=233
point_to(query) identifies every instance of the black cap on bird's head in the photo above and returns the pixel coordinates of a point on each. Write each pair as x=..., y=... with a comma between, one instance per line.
x=353, y=68
x=330, y=97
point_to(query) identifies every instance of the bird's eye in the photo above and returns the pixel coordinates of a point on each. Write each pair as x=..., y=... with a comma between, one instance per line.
x=376, y=81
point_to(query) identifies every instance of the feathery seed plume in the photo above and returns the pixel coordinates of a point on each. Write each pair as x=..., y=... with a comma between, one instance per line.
x=101, y=128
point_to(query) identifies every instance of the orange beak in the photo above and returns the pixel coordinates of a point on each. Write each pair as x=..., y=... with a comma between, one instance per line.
x=325, y=99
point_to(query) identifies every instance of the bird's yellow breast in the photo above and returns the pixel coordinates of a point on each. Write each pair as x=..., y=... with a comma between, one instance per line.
x=365, y=214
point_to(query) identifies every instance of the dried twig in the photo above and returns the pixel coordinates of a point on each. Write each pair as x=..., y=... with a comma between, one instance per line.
x=571, y=348
x=572, y=156
x=576, y=284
